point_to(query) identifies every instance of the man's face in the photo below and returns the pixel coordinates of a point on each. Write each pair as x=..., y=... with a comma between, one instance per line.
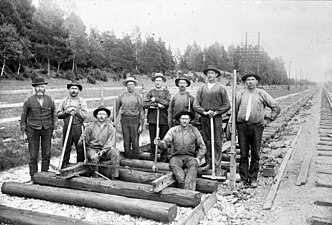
x=130, y=86
x=40, y=90
x=251, y=82
x=182, y=85
x=158, y=82
x=102, y=116
x=73, y=91
x=211, y=75
x=184, y=120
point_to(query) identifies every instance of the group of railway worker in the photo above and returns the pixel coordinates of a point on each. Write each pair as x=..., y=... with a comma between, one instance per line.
x=170, y=120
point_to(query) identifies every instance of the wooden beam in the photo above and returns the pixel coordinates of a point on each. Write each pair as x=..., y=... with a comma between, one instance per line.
x=143, y=164
x=160, y=211
x=274, y=187
x=73, y=171
x=323, y=148
x=324, y=201
x=162, y=182
x=9, y=215
x=318, y=220
x=302, y=178
x=181, y=197
x=200, y=211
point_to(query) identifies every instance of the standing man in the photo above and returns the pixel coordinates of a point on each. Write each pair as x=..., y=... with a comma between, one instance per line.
x=158, y=97
x=212, y=101
x=38, y=120
x=130, y=106
x=76, y=107
x=100, y=139
x=185, y=139
x=182, y=101
x=251, y=120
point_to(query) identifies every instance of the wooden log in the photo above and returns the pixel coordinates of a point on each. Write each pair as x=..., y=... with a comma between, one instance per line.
x=226, y=157
x=73, y=171
x=323, y=148
x=143, y=164
x=160, y=211
x=226, y=165
x=9, y=215
x=325, y=201
x=202, y=185
x=318, y=220
x=162, y=182
x=181, y=197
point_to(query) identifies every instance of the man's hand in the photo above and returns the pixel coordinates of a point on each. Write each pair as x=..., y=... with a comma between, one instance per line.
x=156, y=141
x=198, y=161
x=153, y=99
x=210, y=113
x=161, y=106
x=265, y=122
x=140, y=129
x=24, y=137
x=101, y=153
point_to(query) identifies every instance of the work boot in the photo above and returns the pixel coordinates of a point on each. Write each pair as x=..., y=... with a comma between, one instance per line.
x=254, y=184
x=206, y=167
x=241, y=184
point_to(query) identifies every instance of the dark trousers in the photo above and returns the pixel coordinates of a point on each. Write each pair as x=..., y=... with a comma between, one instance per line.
x=206, y=133
x=130, y=134
x=250, y=138
x=38, y=138
x=73, y=138
x=178, y=165
x=162, y=132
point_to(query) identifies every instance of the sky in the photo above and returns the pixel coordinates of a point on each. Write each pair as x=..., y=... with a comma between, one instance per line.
x=298, y=31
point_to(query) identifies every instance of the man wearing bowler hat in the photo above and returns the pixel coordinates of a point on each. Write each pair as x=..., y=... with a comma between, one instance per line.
x=73, y=106
x=181, y=101
x=130, y=106
x=157, y=98
x=251, y=120
x=38, y=120
x=189, y=149
x=211, y=102
x=100, y=139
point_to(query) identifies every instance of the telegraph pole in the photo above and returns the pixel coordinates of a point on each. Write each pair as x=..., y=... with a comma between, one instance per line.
x=259, y=34
x=245, y=53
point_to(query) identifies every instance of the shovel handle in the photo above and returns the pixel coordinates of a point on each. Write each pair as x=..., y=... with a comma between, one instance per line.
x=212, y=146
x=65, y=142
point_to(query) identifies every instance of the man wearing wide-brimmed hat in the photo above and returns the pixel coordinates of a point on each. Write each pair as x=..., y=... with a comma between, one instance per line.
x=189, y=149
x=181, y=101
x=76, y=107
x=100, y=139
x=157, y=98
x=38, y=120
x=251, y=120
x=130, y=107
x=211, y=102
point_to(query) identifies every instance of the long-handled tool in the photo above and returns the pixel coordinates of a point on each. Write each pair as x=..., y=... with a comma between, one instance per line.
x=65, y=142
x=154, y=167
x=84, y=147
x=232, y=154
x=213, y=176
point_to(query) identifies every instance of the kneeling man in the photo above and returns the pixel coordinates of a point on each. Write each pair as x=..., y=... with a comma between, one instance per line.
x=189, y=149
x=100, y=139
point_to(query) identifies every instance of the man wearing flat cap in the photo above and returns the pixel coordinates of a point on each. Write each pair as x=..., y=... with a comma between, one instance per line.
x=181, y=101
x=38, y=120
x=100, y=139
x=76, y=107
x=130, y=106
x=212, y=101
x=189, y=149
x=251, y=120
x=157, y=98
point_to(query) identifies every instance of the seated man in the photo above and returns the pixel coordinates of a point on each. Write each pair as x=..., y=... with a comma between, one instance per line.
x=185, y=139
x=100, y=139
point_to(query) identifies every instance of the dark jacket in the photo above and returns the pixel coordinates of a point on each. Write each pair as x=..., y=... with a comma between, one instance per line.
x=37, y=116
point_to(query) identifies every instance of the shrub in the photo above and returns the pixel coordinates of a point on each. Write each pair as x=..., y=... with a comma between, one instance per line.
x=90, y=79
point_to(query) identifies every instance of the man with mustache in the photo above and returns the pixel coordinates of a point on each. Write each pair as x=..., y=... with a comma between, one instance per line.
x=181, y=101
x=74, y=106
x=100, y=139
x=250, y=121
x=189, y=149
x=38, y=120
x=130, y=106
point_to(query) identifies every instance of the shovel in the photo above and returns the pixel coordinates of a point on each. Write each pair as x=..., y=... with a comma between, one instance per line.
x=65, y=143
x=154, y=167
x=213, y=176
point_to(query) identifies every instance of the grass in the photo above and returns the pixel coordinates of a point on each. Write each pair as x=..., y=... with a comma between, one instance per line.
x=14, y=153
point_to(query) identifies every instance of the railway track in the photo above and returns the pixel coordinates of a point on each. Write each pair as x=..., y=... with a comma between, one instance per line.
x=324, y=161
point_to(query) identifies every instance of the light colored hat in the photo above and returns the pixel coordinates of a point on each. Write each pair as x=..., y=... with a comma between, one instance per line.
x=156, y=75
x=130, y=79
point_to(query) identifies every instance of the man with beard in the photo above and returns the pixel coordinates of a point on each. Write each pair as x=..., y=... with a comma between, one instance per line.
x=181, y=101
x=157, y=98
x=130, y=106
x=38, y=121
x=76, y=107
x=251, y=120
x=211, y=102
x=189, y=149
x=100, y=139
